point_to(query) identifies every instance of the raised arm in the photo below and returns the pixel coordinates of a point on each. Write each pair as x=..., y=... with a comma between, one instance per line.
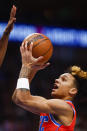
x=5, y=36
x=22, y=95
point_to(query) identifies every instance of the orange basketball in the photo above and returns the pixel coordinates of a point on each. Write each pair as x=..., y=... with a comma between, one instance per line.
x=42, y=46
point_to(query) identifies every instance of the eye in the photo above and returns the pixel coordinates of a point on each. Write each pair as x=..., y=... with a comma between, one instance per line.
x=64, y=79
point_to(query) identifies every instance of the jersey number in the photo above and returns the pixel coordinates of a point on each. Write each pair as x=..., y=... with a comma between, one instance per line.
x=42, y=120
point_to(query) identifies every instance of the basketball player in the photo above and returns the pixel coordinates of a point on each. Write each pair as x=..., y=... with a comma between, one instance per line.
x=5, y=36
x=57, y=114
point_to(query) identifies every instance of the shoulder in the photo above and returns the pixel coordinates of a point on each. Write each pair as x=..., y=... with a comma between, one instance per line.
x=60, y=106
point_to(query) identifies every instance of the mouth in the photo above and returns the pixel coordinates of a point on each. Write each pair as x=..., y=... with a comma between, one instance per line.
x=55, y=86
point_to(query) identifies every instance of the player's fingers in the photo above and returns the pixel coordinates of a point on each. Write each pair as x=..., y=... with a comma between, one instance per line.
x=31, y=47
x=21, y=49
x=26, y=45
x=15, y=9
x=23, y=46
x=13, y=12
x=23, y=43
x=44, y=65
x=39, y=59
x=12, y=21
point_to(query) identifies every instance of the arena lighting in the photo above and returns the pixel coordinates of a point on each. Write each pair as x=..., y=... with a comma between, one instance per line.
x=58, y=36
x=67, y=37
x=19, y=32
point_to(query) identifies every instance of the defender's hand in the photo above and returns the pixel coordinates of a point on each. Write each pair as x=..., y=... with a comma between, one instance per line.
x=11, y=20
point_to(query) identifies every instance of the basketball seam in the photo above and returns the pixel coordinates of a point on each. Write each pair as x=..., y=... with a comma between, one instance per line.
x=39, y=42
x=46, y=51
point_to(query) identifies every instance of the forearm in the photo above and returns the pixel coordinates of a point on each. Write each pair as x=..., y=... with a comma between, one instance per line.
x=3, y=45
x=31, y=76
x=22, y=93
x=5, y=36
x=27, y=72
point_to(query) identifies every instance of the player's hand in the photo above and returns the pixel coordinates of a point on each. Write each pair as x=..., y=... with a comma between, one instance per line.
x=12, y=20
x=28, y=59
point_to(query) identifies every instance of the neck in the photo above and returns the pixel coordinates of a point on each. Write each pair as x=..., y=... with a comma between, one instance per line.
x=64, y=98
x=67, y=98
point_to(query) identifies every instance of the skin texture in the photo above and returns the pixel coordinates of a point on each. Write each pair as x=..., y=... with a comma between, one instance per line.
x=64, y=89
x=64, y=86
x=5, y=36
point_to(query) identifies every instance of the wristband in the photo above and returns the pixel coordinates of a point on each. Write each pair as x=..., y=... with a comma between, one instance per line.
x=23, y=83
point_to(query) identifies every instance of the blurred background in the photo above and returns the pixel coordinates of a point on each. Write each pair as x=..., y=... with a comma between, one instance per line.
x=65, y=23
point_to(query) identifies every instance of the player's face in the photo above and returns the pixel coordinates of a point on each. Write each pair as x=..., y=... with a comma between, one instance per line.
x=63, y=85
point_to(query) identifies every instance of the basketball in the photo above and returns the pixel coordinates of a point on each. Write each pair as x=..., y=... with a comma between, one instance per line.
x=42, y=46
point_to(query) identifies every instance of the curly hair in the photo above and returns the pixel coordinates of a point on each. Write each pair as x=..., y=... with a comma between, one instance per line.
x=79, y=75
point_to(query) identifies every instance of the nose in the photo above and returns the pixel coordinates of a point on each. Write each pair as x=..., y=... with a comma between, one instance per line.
x=56, y=80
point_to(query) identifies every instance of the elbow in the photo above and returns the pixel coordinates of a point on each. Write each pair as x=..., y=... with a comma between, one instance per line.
x=14, y=98
x=17, y=99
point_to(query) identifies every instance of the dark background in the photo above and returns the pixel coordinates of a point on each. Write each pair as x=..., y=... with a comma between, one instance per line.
x=71, y=14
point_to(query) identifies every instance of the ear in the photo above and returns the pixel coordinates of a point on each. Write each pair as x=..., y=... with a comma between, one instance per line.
x=73, y=91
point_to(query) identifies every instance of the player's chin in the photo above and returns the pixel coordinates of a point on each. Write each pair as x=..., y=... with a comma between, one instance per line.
x=53, y=94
